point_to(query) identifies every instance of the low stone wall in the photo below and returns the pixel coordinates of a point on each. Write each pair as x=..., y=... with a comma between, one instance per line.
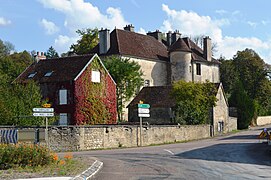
x=263, y=120
x=232, y=124
x=73, y=138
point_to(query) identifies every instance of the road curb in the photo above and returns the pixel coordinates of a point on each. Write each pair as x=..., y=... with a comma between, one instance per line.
x=91, y=171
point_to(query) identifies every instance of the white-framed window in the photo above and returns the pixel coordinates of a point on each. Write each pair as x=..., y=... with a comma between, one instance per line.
x=48, y=74
x=63, y=119
x=95, y=76
x=32, y=74
x=63, y=96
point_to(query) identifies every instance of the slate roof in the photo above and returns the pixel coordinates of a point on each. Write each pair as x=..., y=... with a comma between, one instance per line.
x=158, y=96
x=179, y=45
x=133, y=44
x=63, y=69
x=123, y=42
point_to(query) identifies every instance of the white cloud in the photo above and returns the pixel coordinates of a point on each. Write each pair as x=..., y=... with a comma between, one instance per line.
x=49, y=27
x=80, y=14
x=63, y=43
x=221, y=11
x=192, y=24
x=142, y=31
x=252, y=24
x=4, y=22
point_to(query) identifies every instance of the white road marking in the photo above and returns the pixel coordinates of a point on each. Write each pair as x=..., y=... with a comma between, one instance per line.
x=169, y=151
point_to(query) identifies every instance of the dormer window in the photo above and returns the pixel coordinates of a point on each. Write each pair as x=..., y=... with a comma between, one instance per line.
x=32, y=75
x=48, y=74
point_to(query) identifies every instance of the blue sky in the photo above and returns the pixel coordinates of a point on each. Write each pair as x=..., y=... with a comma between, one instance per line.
x=233, y=25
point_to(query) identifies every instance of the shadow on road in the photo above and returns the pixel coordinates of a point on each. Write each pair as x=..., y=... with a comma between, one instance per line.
x=241, y=137
x=248, y=153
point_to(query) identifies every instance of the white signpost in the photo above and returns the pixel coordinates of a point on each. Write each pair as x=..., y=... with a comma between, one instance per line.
x=44, y=112
x=143, y=111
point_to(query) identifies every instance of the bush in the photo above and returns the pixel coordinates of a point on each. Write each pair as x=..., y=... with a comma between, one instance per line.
x=24, y=155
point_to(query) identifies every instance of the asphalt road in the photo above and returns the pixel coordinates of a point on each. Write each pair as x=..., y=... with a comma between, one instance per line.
x=237, y=156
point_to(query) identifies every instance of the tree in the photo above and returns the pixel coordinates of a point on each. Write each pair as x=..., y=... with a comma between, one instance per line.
x=6, y=48
x=228, y=75
x=17, y=100
x=246, y=82
x=89, y=39
x=51, y=53
x=127, y=75
x=193, y=102
x=246, y=107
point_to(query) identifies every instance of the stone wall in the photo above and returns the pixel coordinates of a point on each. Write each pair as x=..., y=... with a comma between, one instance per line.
x=73, y=138
x=232, y=124
x=263, y=120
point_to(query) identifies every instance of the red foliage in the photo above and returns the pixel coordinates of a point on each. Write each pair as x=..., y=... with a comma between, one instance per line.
x=108, y=96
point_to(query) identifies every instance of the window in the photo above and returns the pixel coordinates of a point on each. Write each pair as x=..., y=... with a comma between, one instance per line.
x=48, y=74
x=32, y=75
x=198, y=68
x=146, y=83
x=63, y=96
x=190, y=69
x=63, y=119
x=96, y=76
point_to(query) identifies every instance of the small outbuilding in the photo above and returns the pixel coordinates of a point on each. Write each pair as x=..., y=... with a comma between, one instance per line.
x=162, y=104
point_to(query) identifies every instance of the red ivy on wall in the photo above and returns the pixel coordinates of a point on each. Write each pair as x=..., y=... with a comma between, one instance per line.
x=95, y=102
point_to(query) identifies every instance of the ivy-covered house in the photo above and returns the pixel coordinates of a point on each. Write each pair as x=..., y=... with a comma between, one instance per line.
x=79, y=88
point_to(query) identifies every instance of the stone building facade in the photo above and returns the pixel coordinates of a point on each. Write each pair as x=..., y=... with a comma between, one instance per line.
x=162, y=60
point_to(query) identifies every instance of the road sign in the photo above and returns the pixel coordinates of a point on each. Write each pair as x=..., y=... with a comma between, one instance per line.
x=46, y=105
x=9, y=135
x=143, y=111
x=43, y=110
x=145, y=106
x=40, y=114
x=143, y=115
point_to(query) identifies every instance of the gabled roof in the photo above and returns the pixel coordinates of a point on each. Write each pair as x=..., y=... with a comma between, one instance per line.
x=133, y=44
x=63, y=69
x=160, y=96
x=156, y=96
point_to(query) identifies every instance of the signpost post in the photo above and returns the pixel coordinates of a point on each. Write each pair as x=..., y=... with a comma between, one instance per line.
x=143, y=111
x=46, y=112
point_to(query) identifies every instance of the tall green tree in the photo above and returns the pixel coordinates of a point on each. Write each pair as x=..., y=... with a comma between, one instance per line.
x=88, y=40
x=127, y=75
x=17, y=100
x=193, y=102
x=51, y=53
x=246, y=76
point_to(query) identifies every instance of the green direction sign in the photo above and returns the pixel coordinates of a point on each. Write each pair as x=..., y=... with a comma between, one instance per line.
x=146, y=106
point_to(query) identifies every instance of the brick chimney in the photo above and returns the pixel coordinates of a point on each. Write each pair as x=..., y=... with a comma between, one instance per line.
x=104, y=40
x=129, y=27
x=40, y=56
x=169, y=38
x=207, y=48
x=156, y=34
x=175, y=36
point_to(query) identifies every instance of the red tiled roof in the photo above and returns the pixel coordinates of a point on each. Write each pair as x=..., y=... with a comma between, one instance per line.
x=64, y=69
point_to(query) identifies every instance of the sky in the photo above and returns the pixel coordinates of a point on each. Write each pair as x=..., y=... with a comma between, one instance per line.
x=233, y=25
